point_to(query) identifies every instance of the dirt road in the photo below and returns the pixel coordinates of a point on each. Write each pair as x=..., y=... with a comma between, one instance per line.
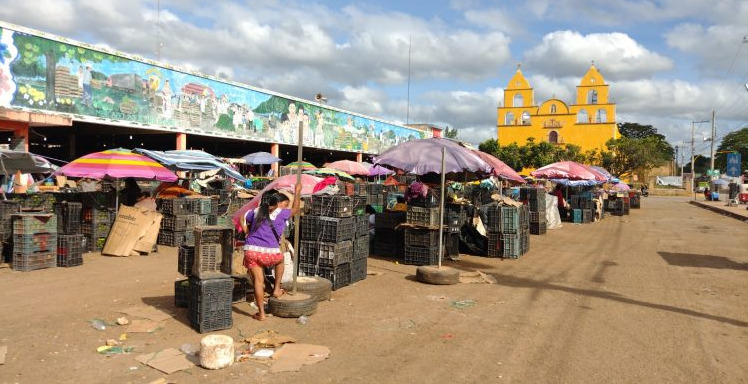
x=657, y=296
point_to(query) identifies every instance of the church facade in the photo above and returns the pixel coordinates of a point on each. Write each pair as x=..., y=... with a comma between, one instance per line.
x=589, y=122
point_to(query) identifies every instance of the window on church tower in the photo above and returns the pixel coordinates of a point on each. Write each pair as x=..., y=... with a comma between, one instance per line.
x=553, y=137
x=518, y=100
x=526, y=118
x=583, y=117
x=553, y=108
x=592, y=97
x=601, y=116
x=509, y=119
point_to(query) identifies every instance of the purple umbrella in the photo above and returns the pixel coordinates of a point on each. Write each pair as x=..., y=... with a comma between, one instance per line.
x=378, y=170
x=261, y=158
x=425, y=156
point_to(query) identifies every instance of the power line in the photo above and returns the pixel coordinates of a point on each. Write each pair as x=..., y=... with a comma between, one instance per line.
x=740, y=47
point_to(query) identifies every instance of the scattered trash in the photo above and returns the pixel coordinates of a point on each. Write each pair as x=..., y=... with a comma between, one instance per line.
x=122, y=337
x=462, y=304
x=448, y=336
x=114, y=350
x=477, y=277
x=98, y=324
x=269, y=339
x=144, y=326
x=374, y=273
x=188, y=349
x=168, y=361
x=112, y=343
x=291, y=357
x=263, y=353
x=122, y=321
x=3, y=352
x=436, y=298
x=133, y=368
x=147, y=312
x=103, y=348
x=302, y=320
x=159, y=381
x=216, y=351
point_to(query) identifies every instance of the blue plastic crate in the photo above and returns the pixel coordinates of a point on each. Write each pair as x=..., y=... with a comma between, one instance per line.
x=577, y=216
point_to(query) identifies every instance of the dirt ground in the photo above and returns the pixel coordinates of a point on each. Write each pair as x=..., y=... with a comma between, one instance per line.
x=657, y=296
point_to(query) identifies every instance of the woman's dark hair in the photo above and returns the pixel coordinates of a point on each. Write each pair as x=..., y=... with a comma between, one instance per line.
x=401, y=199
x=144, y=194
x=264, y=210
x=370, y=210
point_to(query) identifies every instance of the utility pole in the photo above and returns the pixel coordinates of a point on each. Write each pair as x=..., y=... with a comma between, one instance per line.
x=711, y=160
x=675, y=167
x=693, y=156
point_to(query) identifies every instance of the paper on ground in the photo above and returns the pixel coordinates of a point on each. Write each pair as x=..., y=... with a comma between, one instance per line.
x=291, y=357
x=147, y=312
x=168, y=361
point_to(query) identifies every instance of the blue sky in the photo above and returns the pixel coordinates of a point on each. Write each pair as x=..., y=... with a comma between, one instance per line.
x=668, y=62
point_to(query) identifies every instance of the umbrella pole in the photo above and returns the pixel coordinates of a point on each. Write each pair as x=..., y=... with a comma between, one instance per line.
x=116, y=197
x=441, y=211
x=296, y=219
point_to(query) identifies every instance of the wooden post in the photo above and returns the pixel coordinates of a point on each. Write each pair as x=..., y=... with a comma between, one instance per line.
x=441, y=210
x=297, y=218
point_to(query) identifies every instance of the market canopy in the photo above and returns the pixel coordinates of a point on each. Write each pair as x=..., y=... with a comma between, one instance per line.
x=349, y=167
x=568, y=170
x=191, y=160
x=621, y=187
x=500, y=168
x=305, y=165
x=377, y=170
x=25, y=162
x=116, y=164
x=329, y=172
x=287, y=183
x=261, y=158
x=424, y=156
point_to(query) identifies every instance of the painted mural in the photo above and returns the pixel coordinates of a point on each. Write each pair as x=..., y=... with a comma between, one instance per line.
x=52, y=74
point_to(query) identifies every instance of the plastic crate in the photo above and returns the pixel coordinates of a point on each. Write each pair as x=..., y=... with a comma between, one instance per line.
x=326, y=254
x=97, y=215
x=175, y=207
x=96, y=230
x=455, y=216
x=209, y=307
x=7, y=210
x=538, y=228
x=359, y=205
x=537, y=217
x=223, y=237
x=512, y=245
x=418, y=237
x=31, y=261
x=241, y=286
x=527, y=194
x=33, y=223
x=339, y=276
x=328, y=229
x=493, y=213
x=537, y=205
x=179, y=223
x=360, y=189
x=362, y=226
x=95, y=243
x=451, y=244
x=422, y=216
x=173, y=239
x=361, y=248
x=69, y=217
x=389, y=243
x=331, y=206
x=358, y=270
x=41, y=242
x=70, y=250
x=374, y=189
x=38, y=201
x=389, y=220
x=511, y=218
x=376, y=199
x=421, y=255
x=209, y=261
x=586, y=216
x=182, y=293
x=576, y=216
x=185, y=259
x=495, y=248
x=524, y=241
x=201, y=206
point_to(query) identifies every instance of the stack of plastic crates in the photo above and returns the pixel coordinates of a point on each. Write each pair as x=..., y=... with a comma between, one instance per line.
x=535, y=200
x=210, y=286
x=328, y=234
x=455, y=216
x=626, y=204
x=8, y=208
x=69, y=216
x=635, y=199
x=614, y=206
x=508, y=231
x=375, y=195
x=178, y=221
x=34, y=241
x=203, y=209
x=585, y=205
x=389, y=240
x=96, y=223
x=70, y=250
x=361, y=241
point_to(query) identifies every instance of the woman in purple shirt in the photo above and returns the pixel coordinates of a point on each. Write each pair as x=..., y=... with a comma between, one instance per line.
x=262, y=245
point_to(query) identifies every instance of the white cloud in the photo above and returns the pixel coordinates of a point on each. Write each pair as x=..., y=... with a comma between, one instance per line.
x=565, y=53
x=716, y=46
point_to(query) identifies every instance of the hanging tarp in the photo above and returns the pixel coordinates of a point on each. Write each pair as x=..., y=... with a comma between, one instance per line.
x=191, y=161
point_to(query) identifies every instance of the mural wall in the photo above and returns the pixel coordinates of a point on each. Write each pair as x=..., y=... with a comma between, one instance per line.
x=51, y=74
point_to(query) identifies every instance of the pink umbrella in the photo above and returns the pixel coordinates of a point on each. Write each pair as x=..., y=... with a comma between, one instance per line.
x=287, y=183
x=568, y=170
x=500, y=168
x=349, y=167
x=377, y=171
x=621, y=187
x=422, y=156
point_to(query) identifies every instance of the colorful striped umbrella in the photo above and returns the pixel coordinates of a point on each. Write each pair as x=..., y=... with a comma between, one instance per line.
x=304, y=165
x=349, y=167
x=330, y=172
x=116, y=164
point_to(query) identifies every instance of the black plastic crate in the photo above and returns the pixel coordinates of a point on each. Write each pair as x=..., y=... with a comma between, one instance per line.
x=362, y=226
x=70, y=250
x=327, y=229
x=419, y=237
x=179, y=223
x=69, y=217
x=494, y=246
x=451, y=244
x=421, y=255
x=32, y=261
x=389, y=220
x=214, y=239
x=185, y=259
x=201, y=206
x=331, y=206
x=527, y=193
x=182, y=293
x=209, y=307
x=389, y=243
x=96, y=229
x=587, y=216
x=95, y=243
x=8, y=208
x=422, y=216
x=359, y=205
x=537, y=217
x=360, y=189
x=537, y=206
x=374, y=189
x=40, y=242
x=176, y=206
x=493, y=213
x=376, y=199
x=173, y=239
x=326, y=254
x=361, y=248
x=538, y=228
x=241, y=286
x=455, y=216
x=358, y=270
x=340, y=275
x=216, y=234
x=524, y=241
x=97, y=215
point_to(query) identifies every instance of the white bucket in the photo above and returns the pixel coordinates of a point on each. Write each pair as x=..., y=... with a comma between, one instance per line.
x=216, y=351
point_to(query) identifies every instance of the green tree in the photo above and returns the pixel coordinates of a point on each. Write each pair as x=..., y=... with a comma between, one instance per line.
x=736, y=141
x=637, y=131
x=450, y=133
x=638, y=156
x=511, y=156
x=32, y=49
x=490, y=146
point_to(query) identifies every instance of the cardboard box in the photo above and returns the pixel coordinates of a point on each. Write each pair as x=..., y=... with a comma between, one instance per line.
x=134, y=230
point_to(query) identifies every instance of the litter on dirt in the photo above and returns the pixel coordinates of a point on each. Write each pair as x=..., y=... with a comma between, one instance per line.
x=291, y=357
x=269, y=339
x=477, y=277
x=168, y=361
x=147, y=312
x=143, y=326
x=462, y=304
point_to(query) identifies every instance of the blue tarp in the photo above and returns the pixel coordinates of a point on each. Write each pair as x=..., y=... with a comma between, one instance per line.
x=190, y=160
x=576, y=183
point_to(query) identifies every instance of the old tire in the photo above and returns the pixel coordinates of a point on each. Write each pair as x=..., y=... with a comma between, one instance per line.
x=438, y=276
x=300, y=304
x=315, y=286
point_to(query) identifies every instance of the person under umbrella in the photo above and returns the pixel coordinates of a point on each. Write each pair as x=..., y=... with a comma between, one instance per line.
x=262, y=245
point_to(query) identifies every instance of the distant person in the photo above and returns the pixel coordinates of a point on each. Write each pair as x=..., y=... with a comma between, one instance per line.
x=371, y=215
x=131, y=192
x=400, y=206
x=87, y=185
x=558, y=192
x=707, y=194
x=146, y=201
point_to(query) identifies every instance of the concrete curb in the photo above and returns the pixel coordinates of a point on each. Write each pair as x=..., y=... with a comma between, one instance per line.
x=720, y=211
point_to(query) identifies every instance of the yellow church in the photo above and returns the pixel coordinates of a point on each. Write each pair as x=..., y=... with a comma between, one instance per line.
x=588, y=123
